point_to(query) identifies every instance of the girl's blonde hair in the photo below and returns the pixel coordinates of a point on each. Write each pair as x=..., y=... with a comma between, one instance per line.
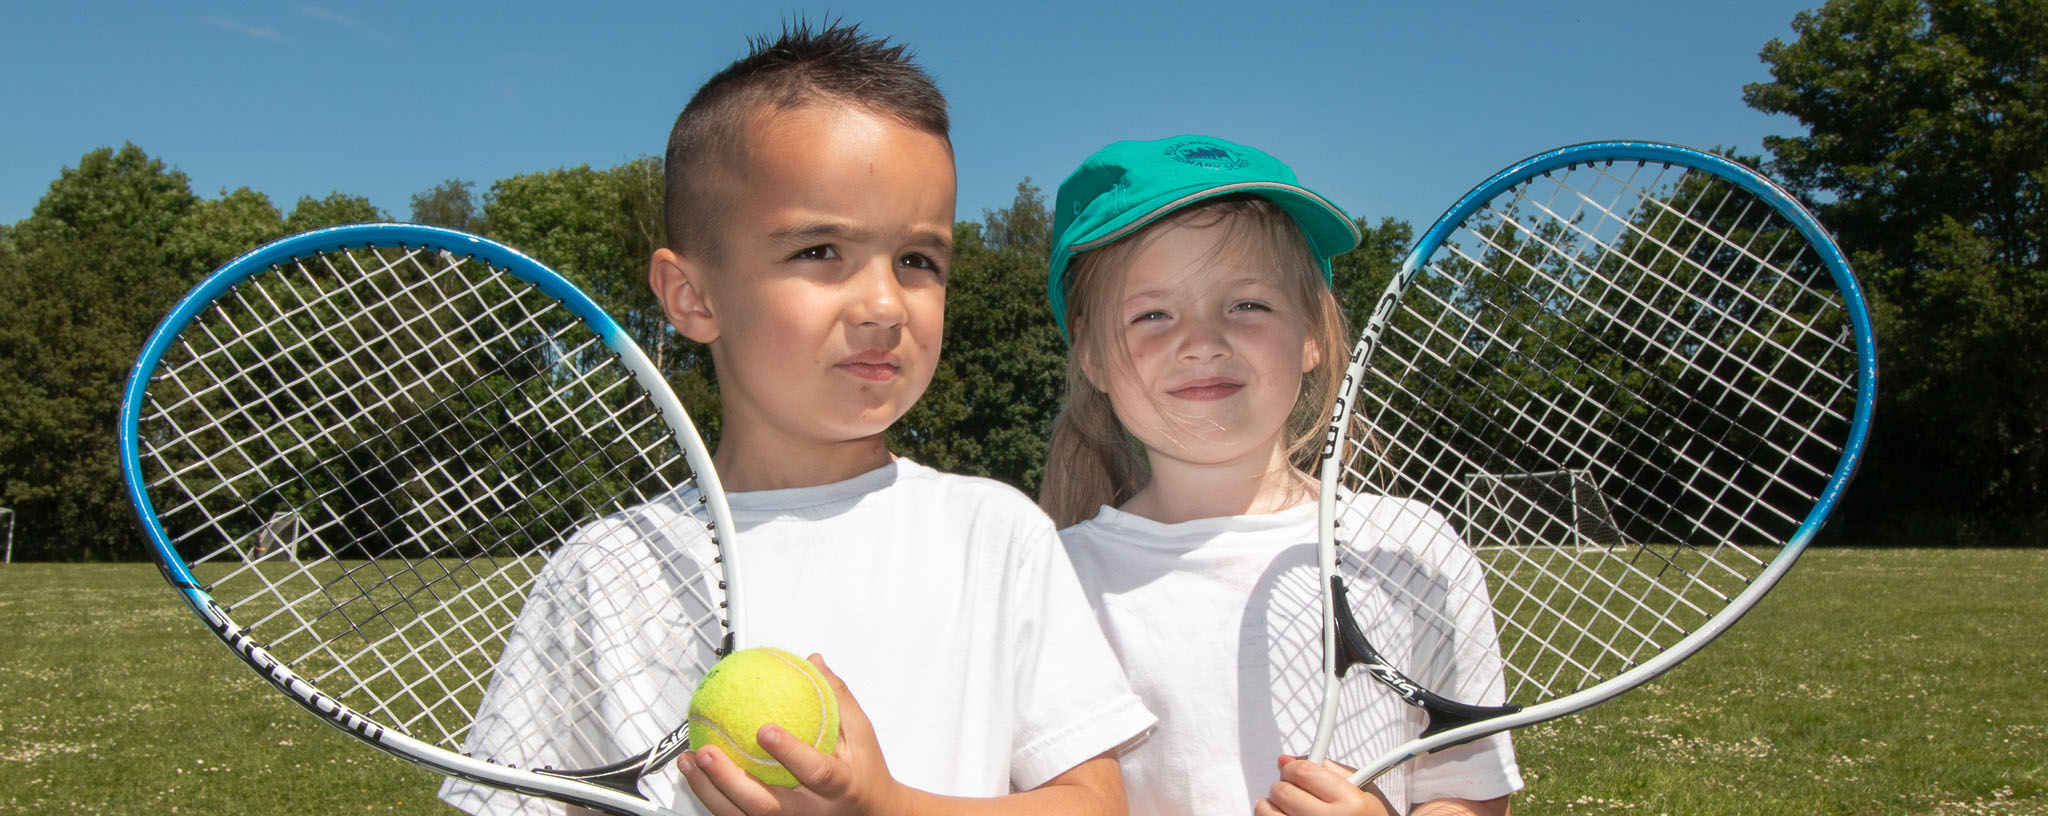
x=1092, y=459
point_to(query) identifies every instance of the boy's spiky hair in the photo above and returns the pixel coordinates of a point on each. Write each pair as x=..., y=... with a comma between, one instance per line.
x=835, y=64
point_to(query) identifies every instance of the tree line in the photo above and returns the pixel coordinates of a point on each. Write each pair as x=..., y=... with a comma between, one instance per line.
x=1925, y=149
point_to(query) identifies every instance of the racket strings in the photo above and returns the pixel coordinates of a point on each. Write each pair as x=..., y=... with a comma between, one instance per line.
x=1726, y=387
x=438, y=426
x=1662, y=339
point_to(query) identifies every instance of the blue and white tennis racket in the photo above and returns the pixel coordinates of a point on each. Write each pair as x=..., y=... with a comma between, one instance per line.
x=361, y=453
x=1627, y=382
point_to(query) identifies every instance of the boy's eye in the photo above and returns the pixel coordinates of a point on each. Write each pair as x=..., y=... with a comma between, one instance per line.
x=821, y=252
x=916, y=260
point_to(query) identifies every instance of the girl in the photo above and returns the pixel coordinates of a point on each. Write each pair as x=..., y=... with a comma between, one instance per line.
x=1191, y=278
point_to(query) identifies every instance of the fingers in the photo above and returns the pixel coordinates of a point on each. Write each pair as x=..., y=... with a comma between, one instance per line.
x=1307, y=788
x=1324, y=780
x=722, y=787
x=814, y=769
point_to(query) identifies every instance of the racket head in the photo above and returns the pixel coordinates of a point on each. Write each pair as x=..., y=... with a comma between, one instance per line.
x=357, y=452
x=1629, y=382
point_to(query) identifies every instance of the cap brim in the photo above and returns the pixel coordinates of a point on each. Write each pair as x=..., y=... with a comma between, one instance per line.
x=1329, y=231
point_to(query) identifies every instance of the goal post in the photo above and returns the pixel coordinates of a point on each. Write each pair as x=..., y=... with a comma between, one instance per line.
x=1553, y=508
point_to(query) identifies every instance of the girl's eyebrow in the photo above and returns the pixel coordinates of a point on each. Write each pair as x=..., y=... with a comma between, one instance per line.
x=1144, y=294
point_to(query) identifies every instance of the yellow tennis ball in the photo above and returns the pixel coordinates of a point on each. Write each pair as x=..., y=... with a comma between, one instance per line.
x=753, y=687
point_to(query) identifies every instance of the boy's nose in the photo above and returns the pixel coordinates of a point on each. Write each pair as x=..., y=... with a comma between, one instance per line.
x=879, y=295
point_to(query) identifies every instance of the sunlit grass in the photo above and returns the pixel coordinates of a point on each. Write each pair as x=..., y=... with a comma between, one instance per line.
x=1870, y=682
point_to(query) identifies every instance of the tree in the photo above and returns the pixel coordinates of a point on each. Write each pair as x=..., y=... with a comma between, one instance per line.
x=449, y=204
x=86, y=277
x=1927, y=147
x=216, y=231
x=1361, y=275
x=333, y=211
x=599, y=228
x=999, y=384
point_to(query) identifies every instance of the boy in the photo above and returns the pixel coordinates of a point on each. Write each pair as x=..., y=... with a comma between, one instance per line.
x=810, y=208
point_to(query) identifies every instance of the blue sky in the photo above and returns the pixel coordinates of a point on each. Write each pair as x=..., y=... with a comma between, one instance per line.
x=1389, y=108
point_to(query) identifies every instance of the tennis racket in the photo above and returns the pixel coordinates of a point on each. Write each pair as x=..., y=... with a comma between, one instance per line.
x=1601, y=409
x=398, y=469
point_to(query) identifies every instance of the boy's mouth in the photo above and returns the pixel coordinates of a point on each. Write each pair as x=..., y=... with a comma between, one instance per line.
x=878, y=366
x=1208, y=388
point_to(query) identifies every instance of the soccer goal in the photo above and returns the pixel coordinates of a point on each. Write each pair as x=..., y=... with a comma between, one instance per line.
x=279, y=537
x=1554, y=508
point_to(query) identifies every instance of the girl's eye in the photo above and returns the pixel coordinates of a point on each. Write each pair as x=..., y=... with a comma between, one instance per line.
x=1250, y=306
x=821, y=252
x=1154, y=314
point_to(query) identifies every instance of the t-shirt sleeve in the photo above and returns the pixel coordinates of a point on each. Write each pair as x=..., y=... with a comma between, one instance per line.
x=1484, y=768
x=1073, y=701
x=597, y=667
x=525, y=692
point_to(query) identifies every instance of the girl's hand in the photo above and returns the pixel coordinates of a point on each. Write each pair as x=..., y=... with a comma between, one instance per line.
x=1310, y=789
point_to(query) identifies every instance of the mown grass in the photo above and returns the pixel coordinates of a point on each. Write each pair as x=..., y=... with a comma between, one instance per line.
x=1870, y=682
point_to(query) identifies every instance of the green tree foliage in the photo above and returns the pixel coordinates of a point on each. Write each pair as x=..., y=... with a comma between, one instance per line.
x=85, y=277
x=450, y=204
x=1361, y=275
x=599, y=228
x=1928, y=145
x=215, y=231
x=991, y=405
x=118, y=239
x=333, y=211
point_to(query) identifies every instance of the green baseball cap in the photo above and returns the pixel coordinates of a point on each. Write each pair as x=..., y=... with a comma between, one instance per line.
x=1125, y=186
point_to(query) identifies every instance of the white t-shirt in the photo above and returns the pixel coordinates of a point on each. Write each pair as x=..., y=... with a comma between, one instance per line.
x=1218, y=623
x=945, y=602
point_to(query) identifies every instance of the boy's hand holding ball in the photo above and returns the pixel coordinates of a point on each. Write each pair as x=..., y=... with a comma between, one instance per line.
x=751, y=688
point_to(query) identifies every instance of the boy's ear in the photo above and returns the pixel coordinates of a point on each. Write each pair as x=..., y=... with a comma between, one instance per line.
x=676, y=281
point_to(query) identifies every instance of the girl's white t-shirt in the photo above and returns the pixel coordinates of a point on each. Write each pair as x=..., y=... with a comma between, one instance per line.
x=1218, y=624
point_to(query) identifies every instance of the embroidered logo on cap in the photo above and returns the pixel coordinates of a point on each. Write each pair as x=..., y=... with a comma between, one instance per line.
x=1205, y=154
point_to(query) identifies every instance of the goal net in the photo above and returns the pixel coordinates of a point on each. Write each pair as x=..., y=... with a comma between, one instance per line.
x=279, y=537
x=1555, y=508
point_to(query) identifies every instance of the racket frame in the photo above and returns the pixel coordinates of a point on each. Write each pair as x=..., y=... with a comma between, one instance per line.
x=611, y=788
x=1336, y=441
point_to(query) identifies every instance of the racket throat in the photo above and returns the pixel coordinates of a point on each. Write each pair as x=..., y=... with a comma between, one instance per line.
x=1353, y=649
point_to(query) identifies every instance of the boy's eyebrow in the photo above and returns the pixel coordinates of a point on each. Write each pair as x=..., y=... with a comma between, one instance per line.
x=812, y=231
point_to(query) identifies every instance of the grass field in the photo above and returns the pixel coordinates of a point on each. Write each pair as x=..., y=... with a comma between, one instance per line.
x=1871, y=682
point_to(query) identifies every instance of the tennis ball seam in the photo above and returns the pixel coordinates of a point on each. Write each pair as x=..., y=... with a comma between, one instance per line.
x=804, y=668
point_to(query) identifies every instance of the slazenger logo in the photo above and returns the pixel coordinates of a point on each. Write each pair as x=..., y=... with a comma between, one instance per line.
x=255, y=655
x=1206, y=154
x=659, y=756
x=1387, y=674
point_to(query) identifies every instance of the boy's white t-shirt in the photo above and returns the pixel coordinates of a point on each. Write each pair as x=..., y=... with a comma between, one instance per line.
x=1218, y=624
x=945, y=602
